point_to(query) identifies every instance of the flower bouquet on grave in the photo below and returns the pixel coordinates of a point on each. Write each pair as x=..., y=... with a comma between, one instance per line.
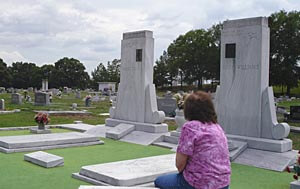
x=295, y=168
x=179, y=115
x=42, y=119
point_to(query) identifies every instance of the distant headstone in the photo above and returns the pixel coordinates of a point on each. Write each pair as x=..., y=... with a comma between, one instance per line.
x=77, y=94
x=30, y=89
x=45, y=85
x=65, y=90
x=74, y=106
x=2, y=104
x=295, y=112
x=16, y=98
x=2, y=89
x=168, y=94
x=41, y=99
x=167, y=105
x=96, y=98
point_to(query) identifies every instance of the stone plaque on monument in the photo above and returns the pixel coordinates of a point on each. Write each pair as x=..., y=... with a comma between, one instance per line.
x=41, y=99
x=16, y=98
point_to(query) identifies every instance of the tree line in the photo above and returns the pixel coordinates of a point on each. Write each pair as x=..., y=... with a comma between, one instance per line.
x=195, y=55
x=66, y=72
x=191, y=57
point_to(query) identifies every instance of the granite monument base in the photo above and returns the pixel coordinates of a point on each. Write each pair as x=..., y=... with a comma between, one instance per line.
x=283, y=145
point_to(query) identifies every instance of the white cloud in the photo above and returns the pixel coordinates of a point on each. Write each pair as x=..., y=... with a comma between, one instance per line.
x=44, y=31
x=12, y=56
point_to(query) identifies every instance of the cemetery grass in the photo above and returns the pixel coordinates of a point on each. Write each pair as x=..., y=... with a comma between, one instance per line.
x=26, y=132
x=19, y=174
x=25, y=117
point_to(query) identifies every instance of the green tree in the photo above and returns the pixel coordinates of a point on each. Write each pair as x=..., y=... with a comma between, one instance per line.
x=5, y=76
x=161, y=72
x=70, y=72
x=284, y=49
x=195, y=53
x=113, y=69
x=25, y=75
x=100, y=74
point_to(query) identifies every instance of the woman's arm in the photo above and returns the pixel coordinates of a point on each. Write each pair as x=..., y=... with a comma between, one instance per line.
x=181, y=160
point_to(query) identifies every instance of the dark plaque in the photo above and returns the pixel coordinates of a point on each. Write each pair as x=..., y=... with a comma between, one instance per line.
x=230, y=50
x=139, y=55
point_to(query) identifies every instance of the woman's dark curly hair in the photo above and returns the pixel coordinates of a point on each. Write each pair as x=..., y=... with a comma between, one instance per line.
x=199, y=106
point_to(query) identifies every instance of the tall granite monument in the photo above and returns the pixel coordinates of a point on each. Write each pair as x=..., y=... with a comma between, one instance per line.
x=244, y=100
x=136, y=101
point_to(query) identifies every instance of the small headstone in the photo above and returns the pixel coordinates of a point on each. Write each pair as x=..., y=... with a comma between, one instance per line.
x=96, y=98
x=168, y=94
x=41, y=99
x=74, y=106
x=78, y=94
x=167, y=105
x=2, y=104
x=45, y=85
x=44, y=159
x=2, y=90
x=16, y=98
x=295, y=112
x=30, y=89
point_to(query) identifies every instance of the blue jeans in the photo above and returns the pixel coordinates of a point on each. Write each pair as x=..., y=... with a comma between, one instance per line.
x=174, y=181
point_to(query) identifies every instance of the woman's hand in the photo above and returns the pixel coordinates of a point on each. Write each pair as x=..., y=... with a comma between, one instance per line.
x=181, y=160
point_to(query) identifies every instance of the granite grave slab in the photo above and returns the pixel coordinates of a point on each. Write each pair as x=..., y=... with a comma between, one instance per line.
x=44, y=159
x=10, y=144
x=130, y=172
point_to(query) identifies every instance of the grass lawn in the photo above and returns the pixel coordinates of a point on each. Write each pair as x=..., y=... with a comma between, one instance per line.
x=27, y=132
x=25, y=117
x=16, y=173
x=19, y=174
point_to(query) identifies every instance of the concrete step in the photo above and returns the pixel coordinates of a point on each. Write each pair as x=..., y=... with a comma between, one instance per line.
x=171, y=139
x=119, y=131
x=240, y=147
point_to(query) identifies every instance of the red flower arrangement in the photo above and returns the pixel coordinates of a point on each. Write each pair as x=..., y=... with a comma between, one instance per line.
x=295, y=169
x=42, y=118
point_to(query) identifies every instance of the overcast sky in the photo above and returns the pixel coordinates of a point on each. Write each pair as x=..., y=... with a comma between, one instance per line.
x=43, y=31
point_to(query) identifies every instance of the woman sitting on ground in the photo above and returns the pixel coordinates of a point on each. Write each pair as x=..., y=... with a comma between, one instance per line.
x=202, y=157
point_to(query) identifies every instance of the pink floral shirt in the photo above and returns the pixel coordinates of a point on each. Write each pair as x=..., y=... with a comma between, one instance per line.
x=208, y=166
